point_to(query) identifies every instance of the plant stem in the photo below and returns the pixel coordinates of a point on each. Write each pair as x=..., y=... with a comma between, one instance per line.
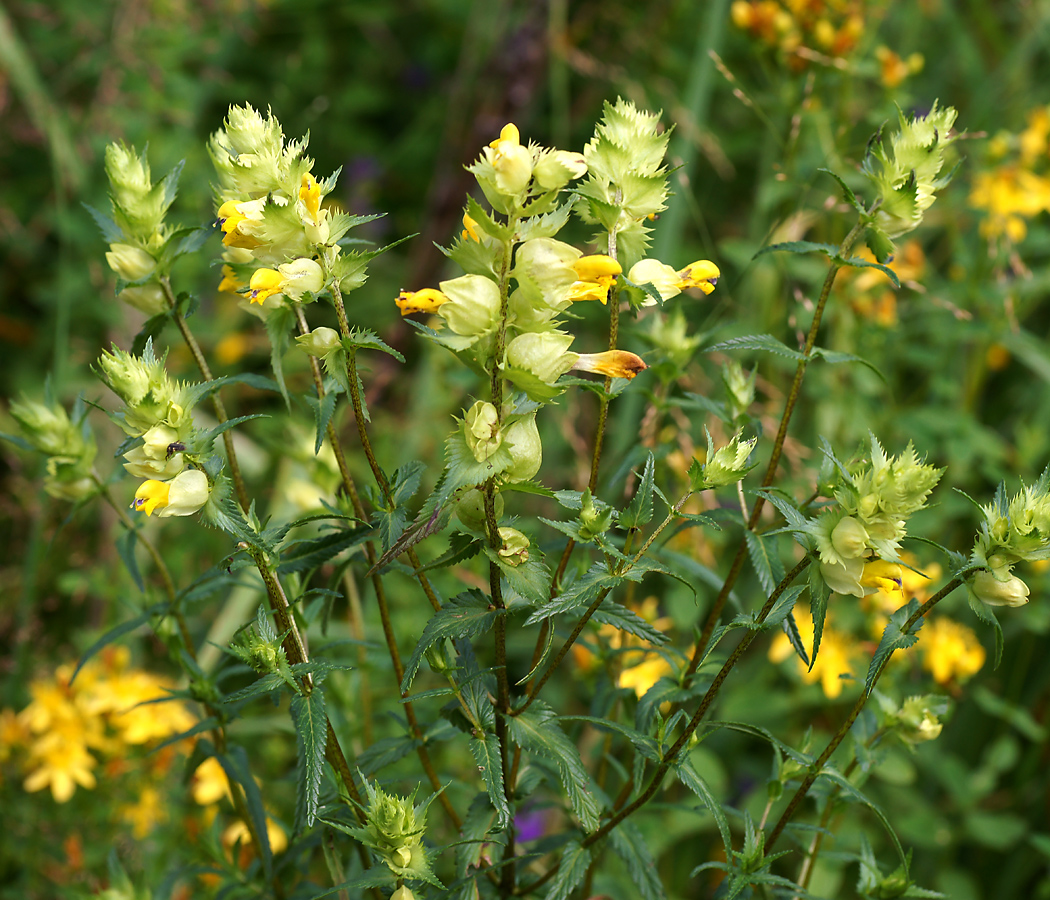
x=216, y=400
x=818, y=765
x=778, y=448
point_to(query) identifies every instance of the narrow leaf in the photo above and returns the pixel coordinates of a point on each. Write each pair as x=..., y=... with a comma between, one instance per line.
x=487, y=755
x=640, y=509
x=893, y=638
x=571, y=871
x=628, y=843
x=762, y=342
x=311, y=730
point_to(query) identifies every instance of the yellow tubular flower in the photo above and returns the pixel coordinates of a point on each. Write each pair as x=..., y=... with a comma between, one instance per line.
x=230, y=283
x=611, y=363
x=427, y=300
x=470, y=229
x=885, y=576
x=265, y=283
x=151, y=495
x=701, y=274
x=230, y=219
x=596, y=275
x=310, y=196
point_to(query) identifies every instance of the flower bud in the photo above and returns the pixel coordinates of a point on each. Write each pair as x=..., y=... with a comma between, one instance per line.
x=545, y=354
x=184, y=495
x=471, y=509
x=1000, y=590
x=511, y=162
x=556, y=168
x=592, y=520
x=526, y=452
x=515, y=548
x=130, y=263
x=148, y=298
x=917, y=719
x=850, y=538
x=318, y=342
x=740, y=387
x=481, y=429
x=71, y=478
x=48, y=428
x=729, y=463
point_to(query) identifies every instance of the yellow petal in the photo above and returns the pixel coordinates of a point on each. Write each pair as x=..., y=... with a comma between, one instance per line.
x=151, y=495
x=702, y=274
x=470, y=229
x=593, y=268
x=427, y=300
x=611, y=363
x=265, y=283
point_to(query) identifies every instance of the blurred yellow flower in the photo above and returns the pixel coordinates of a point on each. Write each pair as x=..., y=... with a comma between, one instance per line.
x=950, y=650
x=834, y=660
x=145, y=813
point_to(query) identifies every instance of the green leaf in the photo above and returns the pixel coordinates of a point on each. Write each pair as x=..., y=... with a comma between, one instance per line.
x=151, y=328
x=624, y=619
x=767, y=565
x=466, y=615
x=834, y=356
x=829, y=250
x=893, y=638
x=985, y=614
x=117, y=632
x=692, y=780
x=787, y=509
x=536, y=730
x=851, y=790
x=126, y=548
x=847, y=191
x=572, y=869
x=311, y=730
x=461, y=546
x=475, y=834
x=278, y=328
x=463, y=470
x=487, y=755
x=644, y=744
x=322, y=410
x=640, y=509
x=302, y=556
x=531, y=579
x=534, y=387
x=405, y=481
x=790, y=627
x=363, y=339
x=629, y=844
x=765, y=343
x=819, y=592
x=859, y=263
x=581, y=592
x=111, y=231
x=235, y=764
x=385, y=752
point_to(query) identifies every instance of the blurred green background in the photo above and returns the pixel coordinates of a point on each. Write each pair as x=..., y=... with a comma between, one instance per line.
x=401, y=96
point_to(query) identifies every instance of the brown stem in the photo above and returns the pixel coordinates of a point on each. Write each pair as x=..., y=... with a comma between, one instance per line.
x=778, y=447
x=818, y=765
x=216, y=400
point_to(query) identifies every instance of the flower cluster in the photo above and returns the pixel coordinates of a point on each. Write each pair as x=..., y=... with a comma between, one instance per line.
x=1018, y=188
x=798, y=28
x=168, y=450
x=1014, y=530
x=905, y=175
x=858, y=539
x=68, y=444
x=69, y=725
x=279, y=241
x=140, y=243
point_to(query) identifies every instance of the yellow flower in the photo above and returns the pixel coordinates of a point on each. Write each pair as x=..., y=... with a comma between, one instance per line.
x=210, y=784
x=833, y=660
x=595, y=274
x=237, y=220
x=238, y=832
x=61, y=765
x=310, y=197
x=186, y=493
x=950, y=650
x=642, y=675
x=145, y=813
x=885, y=576
x=470, y=229
x=425, y=301
x=611, y=363
x=230, y=283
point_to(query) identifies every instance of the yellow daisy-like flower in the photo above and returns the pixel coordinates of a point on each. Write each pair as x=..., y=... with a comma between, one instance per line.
x=61, y=766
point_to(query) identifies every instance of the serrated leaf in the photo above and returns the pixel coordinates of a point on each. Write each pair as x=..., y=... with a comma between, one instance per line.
x=790, y=627
x=311, y=730
x=640, y=509
x=111, y=232
x=572, y=868
x=475, y=833
x=834, y=357
x=628, y=843
x=151, y=328
x=893, y=638
x=322, y=410
x=461, y=546
x=819, y=592
x=644, y=744
x=278, y=327
x=463, y=470
x=362, y=339
x=851, y=790
x=859, y=263
x=384, y=752
x=466, y=615
x=302, y=556
x=624, y=619
x=581, y=592
x=847, y=191
x=765, y=343
x=405, y=481
x=531, y=578
x=536, y=730
x=126, y=548
x=784, y=605
x=531, y=385
x=767, y=565
x=829, y=250
x=692, y=780
x=487, y=755
x=787, y=509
